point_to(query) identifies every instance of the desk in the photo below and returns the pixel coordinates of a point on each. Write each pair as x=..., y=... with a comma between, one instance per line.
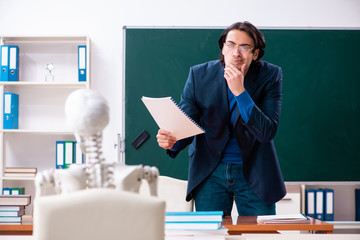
x=245, y=224
x=249, y=224
x=24, y=228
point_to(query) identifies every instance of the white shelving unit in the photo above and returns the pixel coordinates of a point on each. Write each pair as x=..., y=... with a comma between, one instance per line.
x=41, y=104
x=344, y=202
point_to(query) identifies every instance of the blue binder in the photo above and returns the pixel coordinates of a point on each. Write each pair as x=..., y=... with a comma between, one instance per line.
x=6, y=191
x=60, y=149
x=11, y=111
x=9, y=63
x=68, y=153
x=4, y=76
x=13, y=63
x=82, y=63
x=310, y=202
x=319, y=201
x=329, y=205
x=79, y=156
x=357, y=204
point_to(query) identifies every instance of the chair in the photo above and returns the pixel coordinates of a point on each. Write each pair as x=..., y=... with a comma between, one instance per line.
x=173, y=191
x=98, y=213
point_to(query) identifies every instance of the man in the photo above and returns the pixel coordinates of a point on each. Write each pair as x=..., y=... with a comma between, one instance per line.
x=237, y=100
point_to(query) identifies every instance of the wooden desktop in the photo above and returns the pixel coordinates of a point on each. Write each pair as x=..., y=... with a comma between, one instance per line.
x=244, y=224
x=24, y=228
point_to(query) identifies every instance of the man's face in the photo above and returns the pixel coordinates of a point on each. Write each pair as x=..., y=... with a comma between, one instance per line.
x=238, y=49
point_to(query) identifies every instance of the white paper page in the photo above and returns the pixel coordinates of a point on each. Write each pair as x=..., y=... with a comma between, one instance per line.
x=168, y=116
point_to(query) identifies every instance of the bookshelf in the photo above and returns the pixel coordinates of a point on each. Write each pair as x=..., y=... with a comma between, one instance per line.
x=344, y=202
x=42, y=119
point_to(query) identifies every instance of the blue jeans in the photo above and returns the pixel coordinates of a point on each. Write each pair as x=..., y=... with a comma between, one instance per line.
x=227, y=182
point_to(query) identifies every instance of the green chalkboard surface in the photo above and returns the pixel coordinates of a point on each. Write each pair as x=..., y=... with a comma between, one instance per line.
x=318, y=138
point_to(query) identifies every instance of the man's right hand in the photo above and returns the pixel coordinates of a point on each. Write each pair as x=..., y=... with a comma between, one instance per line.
x=165, y=140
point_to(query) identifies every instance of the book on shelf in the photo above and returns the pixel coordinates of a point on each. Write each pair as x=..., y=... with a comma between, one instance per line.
x=169, y=116
x=13, y=191
x=6, y=191
x=328, y=204
x=59, y=157
x=25, y=175
x=11, y=111
x=357, y=204
x=10, y=219
x=68, y=153
x=283, y=219
x=17, y=191
x=207, y=216
x=12, y=200
x=319, y=204
x=20, y=170
x=78, y=155
x=12, y=213
x=11, y=208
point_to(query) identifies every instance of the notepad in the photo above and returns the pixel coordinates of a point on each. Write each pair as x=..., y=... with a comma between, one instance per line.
x=283, y=219
x=169, y=116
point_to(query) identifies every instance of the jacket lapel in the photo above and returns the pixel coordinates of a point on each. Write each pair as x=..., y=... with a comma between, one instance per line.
x=223, y=96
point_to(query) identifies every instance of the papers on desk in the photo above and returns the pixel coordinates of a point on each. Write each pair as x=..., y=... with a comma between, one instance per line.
x=283, y=219
x=169, y=116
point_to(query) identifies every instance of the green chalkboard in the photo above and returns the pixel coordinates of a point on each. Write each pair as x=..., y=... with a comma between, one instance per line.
x=318, y=138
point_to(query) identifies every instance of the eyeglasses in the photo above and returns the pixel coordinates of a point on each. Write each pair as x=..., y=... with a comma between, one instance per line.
x=242, y=49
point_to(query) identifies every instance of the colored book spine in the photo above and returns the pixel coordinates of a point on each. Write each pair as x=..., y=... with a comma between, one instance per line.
x=68, y=153
x=357, y=204
x=17, y=191
x=11, y=111
x=6, y=191
x=82, y=63
x=310, y=202
x=59, y=154
x=329, y=204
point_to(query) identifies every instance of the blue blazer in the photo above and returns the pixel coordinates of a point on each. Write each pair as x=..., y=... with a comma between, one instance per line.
x=205, y=99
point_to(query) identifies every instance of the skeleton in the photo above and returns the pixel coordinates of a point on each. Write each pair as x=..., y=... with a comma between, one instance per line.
x=87, y=113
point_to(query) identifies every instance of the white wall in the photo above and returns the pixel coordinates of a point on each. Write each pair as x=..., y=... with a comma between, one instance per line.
x=103, y=20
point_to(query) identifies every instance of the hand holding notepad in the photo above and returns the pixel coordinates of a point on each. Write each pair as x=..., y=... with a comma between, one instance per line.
x=170, y=117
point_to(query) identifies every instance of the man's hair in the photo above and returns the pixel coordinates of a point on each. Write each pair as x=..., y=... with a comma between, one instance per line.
x=252, y=31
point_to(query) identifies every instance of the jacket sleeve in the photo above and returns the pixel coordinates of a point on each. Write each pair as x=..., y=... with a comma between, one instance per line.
x=264, y=117
x=189, y=106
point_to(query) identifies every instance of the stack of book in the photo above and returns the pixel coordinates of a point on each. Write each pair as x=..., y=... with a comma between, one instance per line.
x=20, y=172
x=201, y=220
x=12, y=207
